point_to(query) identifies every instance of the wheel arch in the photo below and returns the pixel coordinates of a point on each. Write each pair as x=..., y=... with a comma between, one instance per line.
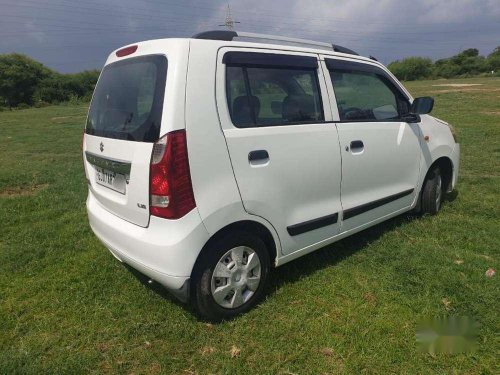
x=249, y=226
x=445, y=165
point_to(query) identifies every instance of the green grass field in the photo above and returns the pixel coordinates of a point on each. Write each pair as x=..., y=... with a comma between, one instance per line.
x=67, y=306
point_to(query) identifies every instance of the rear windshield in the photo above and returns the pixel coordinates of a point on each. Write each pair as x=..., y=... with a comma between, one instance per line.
x=128, y=100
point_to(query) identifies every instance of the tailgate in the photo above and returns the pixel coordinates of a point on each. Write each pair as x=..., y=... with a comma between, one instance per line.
x=123, y=123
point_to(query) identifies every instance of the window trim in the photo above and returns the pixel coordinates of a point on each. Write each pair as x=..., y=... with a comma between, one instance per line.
x=358, y=67
x=248, y=91
x=284, y=61
x=266, y=59
x=344, y=65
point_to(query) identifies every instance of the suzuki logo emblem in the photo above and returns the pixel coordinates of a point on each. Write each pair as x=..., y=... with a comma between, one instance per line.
x=101, y=147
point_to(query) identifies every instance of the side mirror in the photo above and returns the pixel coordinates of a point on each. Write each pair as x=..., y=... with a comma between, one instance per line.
x=422, y=105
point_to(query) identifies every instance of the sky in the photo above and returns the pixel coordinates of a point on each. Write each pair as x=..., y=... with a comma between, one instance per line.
x=72, y=35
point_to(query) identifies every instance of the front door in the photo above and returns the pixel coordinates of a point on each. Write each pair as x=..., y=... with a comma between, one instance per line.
x=380, y=151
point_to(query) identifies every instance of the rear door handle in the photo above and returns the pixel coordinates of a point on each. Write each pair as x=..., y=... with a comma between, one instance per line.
x=258, y=157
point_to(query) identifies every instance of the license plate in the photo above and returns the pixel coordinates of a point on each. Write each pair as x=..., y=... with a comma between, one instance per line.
x=110, y=179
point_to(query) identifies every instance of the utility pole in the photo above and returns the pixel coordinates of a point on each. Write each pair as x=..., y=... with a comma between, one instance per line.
x=229, y=22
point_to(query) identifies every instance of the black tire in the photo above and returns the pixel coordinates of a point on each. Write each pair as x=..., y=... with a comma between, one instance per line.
x=202, y=297
x=432, y=193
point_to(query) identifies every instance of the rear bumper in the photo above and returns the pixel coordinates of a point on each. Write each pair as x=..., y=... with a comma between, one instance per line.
x=165, y=251
x=455, y=159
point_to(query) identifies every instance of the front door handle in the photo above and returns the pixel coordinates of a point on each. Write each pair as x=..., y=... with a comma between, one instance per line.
x=357, y=147
x=258, y=157
x=357, y=144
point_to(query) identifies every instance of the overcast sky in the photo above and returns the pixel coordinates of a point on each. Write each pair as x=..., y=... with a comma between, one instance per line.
x=72, y=35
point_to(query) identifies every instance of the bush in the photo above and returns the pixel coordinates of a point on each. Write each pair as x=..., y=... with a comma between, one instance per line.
x=446, y=69
x=467, y=63
x=411, y=68
x=493, y=60
x=23, y=80
x=19, y=78
x=41, y=104
x=53, y=89
x=67, y=87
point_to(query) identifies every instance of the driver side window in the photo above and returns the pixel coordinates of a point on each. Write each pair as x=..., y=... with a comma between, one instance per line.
x=366, y=96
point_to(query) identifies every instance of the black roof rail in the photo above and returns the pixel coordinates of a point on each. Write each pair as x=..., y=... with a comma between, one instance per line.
x=341, y=49
x=229, y=35
x=373, y=58
x=226, y=35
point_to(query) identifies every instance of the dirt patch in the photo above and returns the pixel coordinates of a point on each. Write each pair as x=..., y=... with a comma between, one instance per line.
x=22, y=191
x=466, y=89
x=64, y=118
x=457, y=84
x=495, y=113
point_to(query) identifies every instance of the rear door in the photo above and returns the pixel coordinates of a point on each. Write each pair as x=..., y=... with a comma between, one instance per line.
x=123, y=122
x=284, y=152
x=380, y=151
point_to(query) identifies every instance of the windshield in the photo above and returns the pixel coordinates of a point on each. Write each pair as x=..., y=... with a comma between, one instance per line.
x=128, y=100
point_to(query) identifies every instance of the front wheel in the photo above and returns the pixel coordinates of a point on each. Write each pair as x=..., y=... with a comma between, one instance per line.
x=432, y=194
x=231, y=276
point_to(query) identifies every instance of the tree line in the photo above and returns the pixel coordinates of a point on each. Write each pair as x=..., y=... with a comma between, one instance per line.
x=25, y=82
x=467, y=63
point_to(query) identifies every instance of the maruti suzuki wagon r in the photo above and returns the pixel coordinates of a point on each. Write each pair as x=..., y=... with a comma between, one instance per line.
x=212, y=159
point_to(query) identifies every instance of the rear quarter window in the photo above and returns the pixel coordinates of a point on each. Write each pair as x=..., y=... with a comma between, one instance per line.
x=128, y=100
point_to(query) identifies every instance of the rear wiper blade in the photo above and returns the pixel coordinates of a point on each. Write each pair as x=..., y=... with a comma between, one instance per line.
x=128, y=120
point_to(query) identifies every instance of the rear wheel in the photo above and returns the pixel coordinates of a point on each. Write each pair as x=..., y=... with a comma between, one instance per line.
x=432, y=194
x=230, y=277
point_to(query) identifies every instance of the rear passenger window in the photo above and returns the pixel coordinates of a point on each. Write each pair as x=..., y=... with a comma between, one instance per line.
x=272, y=95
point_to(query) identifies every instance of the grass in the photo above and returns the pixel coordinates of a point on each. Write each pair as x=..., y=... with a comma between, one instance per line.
x=67, y=306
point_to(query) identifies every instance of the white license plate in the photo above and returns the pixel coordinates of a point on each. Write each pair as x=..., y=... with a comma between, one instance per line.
x=110, y=179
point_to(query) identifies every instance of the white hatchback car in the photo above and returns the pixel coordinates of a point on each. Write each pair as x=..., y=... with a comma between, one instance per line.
x=212, y=159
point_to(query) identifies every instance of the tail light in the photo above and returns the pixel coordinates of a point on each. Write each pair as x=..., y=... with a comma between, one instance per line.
x=170, y=187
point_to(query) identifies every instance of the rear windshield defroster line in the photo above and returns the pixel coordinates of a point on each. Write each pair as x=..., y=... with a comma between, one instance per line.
x=128, y=100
